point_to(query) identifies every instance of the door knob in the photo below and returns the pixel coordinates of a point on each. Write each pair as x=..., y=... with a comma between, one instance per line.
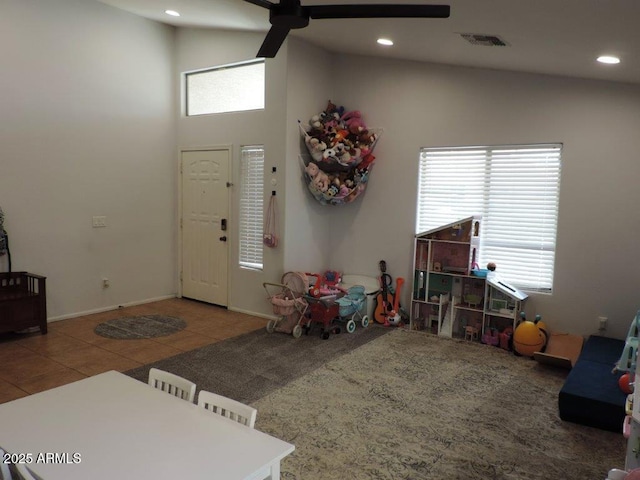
x=223, y=239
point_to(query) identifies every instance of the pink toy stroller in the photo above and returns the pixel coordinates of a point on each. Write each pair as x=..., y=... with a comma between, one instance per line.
x=288, y=303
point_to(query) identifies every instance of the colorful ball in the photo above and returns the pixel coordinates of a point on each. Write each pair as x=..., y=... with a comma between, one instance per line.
x=528, y=339
x=623, y=383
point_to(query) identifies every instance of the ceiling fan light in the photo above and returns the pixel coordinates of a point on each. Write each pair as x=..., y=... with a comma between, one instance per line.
x=385, y=41
x=609, y=59
x=173, y=13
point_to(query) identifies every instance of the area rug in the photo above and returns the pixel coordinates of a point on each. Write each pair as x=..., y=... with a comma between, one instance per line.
x=410, y=405
x=143, y=326
x=250, y=366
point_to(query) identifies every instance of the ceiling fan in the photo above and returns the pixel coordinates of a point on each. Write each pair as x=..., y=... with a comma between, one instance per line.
x=289, y=14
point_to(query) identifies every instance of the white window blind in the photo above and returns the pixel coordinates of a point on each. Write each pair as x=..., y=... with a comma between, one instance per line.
x=251, y=206
x=514, y=188
x=227, y=88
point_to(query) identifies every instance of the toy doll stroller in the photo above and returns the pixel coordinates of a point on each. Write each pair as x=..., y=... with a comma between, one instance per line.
x=350, y=307
x=288, y=300
x=323, y=310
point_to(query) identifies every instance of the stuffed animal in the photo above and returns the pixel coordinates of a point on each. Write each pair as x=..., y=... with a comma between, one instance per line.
x=329, y=153
x=367, y=161
x=316, y=147
x=353, y=122
x=332, y=191
x=321, y=181
x=332, y=108
x=312, y=169
x=315, y=123
x=318, y=177
x=343, y=192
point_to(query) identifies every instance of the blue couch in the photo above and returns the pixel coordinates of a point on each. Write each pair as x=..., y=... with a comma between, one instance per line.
x=591, y=395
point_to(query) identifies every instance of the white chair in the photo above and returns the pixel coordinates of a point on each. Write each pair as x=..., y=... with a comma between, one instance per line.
x=5, y=473
x=24, y=473
x=172, y=384
x=227, y=407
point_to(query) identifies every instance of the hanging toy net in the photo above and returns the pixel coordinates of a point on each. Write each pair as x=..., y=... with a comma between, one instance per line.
x=340, y=154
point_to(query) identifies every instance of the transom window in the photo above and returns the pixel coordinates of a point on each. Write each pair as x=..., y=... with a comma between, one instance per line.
x=227, y=88
x=515, y=189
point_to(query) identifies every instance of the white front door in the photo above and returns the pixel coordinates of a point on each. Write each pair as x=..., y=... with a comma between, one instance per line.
x=205, y=213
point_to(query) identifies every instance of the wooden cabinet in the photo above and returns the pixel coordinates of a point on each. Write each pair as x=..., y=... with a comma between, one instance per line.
x=451, y=296
x=23, y=302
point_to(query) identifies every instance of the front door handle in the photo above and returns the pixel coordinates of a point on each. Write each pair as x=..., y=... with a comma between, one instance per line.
x=223, y=238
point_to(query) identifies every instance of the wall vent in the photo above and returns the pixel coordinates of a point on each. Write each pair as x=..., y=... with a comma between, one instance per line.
x=484, y=40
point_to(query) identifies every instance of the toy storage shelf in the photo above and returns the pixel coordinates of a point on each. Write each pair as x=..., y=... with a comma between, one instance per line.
x=450, y=297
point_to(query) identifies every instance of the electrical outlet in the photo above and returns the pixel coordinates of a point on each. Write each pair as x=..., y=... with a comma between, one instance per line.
x=602, y=323
x=99, y=221
x=105, y=283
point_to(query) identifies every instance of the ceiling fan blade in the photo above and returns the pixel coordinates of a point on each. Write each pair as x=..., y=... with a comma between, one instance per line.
x=261, y=3
x=273, y=41
x=378, y=11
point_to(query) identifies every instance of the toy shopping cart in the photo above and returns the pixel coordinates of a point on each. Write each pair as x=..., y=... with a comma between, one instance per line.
x=324, y=311
x=350, y=307
x=288, y=301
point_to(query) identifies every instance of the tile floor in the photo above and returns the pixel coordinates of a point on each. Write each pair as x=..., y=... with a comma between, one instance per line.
x=30, y=363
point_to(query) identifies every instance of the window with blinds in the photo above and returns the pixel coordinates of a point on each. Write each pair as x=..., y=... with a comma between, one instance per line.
x=514, y=188
x=251, y=207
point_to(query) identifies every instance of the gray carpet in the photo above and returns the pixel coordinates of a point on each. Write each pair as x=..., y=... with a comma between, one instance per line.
x=143, y=326
x=250, y=366
x=414, y=406
x=389, y=404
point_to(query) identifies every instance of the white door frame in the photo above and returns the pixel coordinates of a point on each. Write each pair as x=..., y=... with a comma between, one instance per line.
x=230, y=237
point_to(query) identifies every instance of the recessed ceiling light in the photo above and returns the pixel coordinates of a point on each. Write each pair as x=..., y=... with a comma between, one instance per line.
x=609, y=59
x=173, y=13
x=385, y=41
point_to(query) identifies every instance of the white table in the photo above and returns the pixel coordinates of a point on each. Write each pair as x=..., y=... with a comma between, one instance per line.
x=124, y=429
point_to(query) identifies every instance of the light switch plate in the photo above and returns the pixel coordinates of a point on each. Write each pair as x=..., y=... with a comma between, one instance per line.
x=99, y=221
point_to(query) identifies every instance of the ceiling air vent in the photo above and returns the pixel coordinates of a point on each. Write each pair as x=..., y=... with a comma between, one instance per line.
x=484, y=40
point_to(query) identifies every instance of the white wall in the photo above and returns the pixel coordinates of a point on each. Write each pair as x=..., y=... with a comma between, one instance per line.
x=203, y=48
x=434, y=105
x=310, y=83
x=86, y=128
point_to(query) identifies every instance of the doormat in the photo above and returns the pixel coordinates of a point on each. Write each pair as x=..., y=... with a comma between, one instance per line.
x=142, y=326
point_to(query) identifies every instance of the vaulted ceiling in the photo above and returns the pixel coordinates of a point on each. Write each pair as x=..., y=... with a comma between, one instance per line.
x=558, y=37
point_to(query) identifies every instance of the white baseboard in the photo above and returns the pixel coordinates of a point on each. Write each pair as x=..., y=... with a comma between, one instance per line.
x=253, y=314
x=107, y=309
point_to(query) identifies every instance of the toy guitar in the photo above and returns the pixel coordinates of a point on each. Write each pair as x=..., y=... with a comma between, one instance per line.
x=384, y=300
x=394, y=315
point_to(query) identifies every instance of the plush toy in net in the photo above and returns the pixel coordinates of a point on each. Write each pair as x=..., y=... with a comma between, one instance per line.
x=340, y=155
